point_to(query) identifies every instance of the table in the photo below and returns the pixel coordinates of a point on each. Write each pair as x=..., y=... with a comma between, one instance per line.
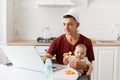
x=15, y=73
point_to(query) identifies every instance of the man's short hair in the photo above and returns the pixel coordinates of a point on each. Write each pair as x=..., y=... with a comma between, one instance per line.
x=69, y=16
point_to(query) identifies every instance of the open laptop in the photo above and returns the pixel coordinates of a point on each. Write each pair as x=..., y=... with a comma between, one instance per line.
x=26, y=58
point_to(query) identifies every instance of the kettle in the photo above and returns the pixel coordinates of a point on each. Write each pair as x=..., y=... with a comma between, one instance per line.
x=46, y=33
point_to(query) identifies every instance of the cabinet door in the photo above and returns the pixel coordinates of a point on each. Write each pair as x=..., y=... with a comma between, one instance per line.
x=93, y=74
x=106, y=63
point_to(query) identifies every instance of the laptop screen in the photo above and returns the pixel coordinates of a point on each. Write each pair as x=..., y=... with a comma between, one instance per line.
x=24, y=57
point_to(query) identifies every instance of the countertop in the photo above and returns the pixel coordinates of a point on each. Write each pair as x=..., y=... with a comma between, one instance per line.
x=26, y=43
x=35, y=43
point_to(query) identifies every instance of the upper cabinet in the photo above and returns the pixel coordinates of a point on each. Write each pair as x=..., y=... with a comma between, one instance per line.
x=104, y=4
x=55, y=2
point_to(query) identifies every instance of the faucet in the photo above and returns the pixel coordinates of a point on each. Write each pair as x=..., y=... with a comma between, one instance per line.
x=116, y=31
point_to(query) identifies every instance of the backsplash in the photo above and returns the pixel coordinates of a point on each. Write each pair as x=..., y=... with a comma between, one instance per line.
x=96, y=22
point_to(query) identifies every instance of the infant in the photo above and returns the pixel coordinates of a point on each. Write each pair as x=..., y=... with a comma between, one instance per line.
x=79, y=54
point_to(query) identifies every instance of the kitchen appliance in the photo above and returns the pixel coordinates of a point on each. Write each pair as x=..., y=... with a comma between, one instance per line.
x=45, y=40
x=27, y=58
x=24, y=57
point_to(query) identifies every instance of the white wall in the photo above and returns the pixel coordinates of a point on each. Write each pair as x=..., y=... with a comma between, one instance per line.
x=6, y=21
x=10, y=19
x=0, y=20
x=97, y=18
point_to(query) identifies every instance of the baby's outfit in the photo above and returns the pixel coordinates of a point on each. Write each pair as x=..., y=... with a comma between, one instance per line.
x=80, y=72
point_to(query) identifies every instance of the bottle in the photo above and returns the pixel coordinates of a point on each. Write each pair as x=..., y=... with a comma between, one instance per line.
x=48, y=70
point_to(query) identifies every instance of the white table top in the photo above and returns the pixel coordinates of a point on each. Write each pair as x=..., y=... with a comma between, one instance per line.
x=14, y=73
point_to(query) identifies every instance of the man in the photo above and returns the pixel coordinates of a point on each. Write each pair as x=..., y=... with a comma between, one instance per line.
x=68, y=41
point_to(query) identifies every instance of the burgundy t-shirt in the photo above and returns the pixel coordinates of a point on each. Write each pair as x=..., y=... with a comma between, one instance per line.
x=60, y=45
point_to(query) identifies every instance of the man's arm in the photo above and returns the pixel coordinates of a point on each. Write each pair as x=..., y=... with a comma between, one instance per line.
x=79, y=65
x=47, y=55
x=82, y=65
x=90, y=69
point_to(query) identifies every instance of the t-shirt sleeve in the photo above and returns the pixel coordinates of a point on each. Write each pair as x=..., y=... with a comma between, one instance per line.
x=52, y=49
x=90, y=53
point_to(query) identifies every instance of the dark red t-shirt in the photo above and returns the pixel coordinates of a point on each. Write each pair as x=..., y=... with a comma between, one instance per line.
x=60, y=45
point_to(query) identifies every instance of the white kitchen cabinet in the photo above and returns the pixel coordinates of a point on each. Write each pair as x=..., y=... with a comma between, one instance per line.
x=6, y=21
x=106, y=63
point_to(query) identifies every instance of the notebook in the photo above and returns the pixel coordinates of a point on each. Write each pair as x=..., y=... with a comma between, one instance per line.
x=27, y=58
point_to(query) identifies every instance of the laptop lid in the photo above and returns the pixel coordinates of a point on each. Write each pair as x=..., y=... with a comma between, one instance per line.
x=24, y=57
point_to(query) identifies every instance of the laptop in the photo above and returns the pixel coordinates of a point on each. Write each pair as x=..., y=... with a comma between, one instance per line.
x=27, y=58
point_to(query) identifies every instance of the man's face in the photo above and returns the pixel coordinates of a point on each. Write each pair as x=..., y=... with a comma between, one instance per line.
x=70, y=25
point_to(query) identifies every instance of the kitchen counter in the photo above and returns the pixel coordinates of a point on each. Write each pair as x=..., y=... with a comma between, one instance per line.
x=106, y=43
x=35, y=43
x=26, y=43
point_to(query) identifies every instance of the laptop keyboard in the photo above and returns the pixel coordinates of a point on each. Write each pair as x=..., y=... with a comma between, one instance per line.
x=57, y=67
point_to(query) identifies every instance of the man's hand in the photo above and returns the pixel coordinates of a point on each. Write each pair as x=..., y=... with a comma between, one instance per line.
x=90, y=69
x=88, y=73
x=47, y=55
x=78, y=65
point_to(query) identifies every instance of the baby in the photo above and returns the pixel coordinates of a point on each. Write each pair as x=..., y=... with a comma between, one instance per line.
x=79, y=54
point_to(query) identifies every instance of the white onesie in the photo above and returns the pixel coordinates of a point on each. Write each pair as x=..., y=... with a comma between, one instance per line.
x=83, y=60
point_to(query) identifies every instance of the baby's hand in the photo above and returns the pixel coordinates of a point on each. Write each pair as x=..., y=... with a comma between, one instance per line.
x=67, y=55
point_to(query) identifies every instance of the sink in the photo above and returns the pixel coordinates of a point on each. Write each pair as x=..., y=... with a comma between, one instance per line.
x=107, y=41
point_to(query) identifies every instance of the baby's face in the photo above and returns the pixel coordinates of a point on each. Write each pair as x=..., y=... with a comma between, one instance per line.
x=79, y=53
